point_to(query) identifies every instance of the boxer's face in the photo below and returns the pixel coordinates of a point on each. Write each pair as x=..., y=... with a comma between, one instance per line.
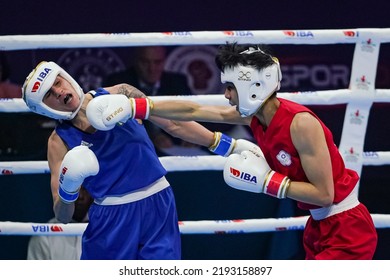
x=231, y=94
x=62, y=96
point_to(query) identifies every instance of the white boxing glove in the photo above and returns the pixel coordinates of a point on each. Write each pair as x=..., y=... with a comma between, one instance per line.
x=105, y=111
x=224, y=145
x=251, y=173
x=78, y=164
x=245, y=145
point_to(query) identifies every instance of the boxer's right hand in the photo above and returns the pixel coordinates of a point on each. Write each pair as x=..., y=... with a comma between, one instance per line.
x=78, y=164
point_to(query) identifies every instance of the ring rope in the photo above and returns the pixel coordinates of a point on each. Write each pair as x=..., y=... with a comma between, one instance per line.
x=307, y=37
x=185, y=227
x=170, y=163
x=325, y=97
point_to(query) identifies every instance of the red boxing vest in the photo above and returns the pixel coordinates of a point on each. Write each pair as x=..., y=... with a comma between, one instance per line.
x=282, y=156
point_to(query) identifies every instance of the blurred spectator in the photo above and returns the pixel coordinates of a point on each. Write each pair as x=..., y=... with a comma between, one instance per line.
x=148, y=75
x=61, y=247
x=200, y=73
x=7, y=88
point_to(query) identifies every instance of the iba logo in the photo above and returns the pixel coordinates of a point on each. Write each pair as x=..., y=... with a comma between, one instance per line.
x=243, y=176
x=46, y=228
x=41, y=77
x=90, y=67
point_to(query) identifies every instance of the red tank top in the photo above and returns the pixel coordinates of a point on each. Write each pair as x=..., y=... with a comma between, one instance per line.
x=282, y=156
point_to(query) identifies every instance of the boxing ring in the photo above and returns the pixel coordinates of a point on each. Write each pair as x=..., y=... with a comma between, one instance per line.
x=358, y=98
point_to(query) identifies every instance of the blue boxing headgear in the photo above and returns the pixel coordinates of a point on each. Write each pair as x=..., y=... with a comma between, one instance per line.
x=39, y=82
x=253, y=86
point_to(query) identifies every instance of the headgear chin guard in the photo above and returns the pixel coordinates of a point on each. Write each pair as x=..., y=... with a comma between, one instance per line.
x=253, y=86
x=39, y=82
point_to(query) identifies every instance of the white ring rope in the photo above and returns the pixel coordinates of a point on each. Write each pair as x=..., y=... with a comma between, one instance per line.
x=366, y=40
x=308, y=37
x=186, y=227
x=170, y=163
x=325, y=97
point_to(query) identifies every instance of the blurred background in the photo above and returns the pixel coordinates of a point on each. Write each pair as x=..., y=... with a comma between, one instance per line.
x=199, y=195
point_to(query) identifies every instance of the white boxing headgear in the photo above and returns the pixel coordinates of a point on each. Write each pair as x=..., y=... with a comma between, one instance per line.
x=253, y=86
x=39, y=82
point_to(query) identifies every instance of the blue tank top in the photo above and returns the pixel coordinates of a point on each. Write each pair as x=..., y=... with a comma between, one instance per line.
x=126, y=155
